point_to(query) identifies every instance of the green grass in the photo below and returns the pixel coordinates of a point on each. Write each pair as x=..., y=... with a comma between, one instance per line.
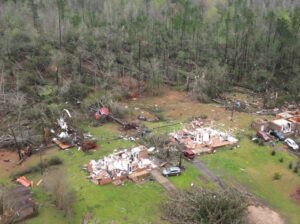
x=254, y=167
x=130, y=203
x=190, y=176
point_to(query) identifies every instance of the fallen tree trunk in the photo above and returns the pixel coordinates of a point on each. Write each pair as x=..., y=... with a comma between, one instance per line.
x=8, y=141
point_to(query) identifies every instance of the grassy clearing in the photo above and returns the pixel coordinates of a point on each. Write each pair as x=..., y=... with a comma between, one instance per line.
x=130, y=203
x=190, y=176
x=250, y=165
x=254, y=167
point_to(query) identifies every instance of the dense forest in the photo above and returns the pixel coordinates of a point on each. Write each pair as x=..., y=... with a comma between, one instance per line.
x=61, y=50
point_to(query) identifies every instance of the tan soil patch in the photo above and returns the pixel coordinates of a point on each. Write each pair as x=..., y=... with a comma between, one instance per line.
x=8, y=160
x=181, y=106
x=263, y=215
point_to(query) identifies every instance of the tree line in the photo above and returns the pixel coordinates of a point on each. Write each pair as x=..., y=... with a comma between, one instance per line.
x=201, y=46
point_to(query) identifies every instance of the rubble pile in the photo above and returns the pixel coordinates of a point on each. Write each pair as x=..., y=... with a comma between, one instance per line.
x=119, y=166
x=64, y=136
x=202, y=139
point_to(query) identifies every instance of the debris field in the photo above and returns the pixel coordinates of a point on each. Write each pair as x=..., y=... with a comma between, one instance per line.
x=121, y=165
x=201, y=138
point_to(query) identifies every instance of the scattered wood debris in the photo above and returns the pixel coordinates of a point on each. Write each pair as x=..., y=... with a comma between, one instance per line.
x=119, y=166
x=202, y=139
x=24, y=181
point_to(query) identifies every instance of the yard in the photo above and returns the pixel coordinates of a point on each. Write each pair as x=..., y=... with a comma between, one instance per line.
x=250, y=165
x=130, y=203
x=253, y=166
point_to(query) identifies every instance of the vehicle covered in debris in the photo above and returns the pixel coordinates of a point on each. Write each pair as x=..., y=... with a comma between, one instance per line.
x=171, y=171
x=263, y=135
x=277, y=134
x=292, y=144
x=189, y=154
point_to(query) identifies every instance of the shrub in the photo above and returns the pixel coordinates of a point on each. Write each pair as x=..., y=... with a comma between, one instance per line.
x=203, y=116
x=55, y=161
x=197, y=205
x=281, y=160
x=64, y=196
x=77, y=91
x=261, y=143
x=295, y=169
x=290, y=165
x=273, y=153
x=38, y=167
x=277, y=176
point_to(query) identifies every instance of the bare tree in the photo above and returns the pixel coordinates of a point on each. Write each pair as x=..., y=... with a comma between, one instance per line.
x=64, y=196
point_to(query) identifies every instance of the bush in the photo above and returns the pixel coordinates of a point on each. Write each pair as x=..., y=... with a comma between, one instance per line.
x=262, y=143
x=295, y=169
x=39, y=167
x=77, y=91
x=203, y=116
x=198, y=205
x=290, y=165
x=277, y=176
x=281, y=160
x=158, y=113
x=273, y=153
x=64, y=196
x=55, y=161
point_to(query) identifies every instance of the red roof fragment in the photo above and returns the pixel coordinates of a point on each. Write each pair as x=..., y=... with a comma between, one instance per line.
x=24, y=181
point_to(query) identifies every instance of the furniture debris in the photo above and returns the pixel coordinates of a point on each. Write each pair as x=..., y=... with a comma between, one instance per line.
x=61, y=145
x=88, y=145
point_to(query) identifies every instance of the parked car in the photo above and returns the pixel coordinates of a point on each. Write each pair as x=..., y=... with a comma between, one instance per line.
x=189, y=154
x=263, y=135
x=292, y=144
x=171, y=171
x=277, y=134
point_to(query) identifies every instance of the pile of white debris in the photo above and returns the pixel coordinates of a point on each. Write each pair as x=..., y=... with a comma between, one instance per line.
x=202, y=139
x=121, y=165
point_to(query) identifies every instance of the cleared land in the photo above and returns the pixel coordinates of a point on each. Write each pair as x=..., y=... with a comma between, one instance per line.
x=250, y=165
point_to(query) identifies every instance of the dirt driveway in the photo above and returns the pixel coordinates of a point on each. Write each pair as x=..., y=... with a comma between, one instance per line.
x=256, y=214
x=263, y=215
x=165, y=182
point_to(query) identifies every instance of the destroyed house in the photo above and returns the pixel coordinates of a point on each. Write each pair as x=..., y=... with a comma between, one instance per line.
x=260, y=125
x=285, y=122
x=121, y=165
x=201, y=139
x=282, y=125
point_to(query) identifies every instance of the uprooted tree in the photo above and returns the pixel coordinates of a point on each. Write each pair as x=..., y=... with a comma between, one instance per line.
x=204, y=206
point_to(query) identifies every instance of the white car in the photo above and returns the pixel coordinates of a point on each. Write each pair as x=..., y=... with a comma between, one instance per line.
x=291, y=143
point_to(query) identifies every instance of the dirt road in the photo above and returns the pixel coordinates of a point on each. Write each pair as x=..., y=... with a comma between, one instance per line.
x=165, y=182
x=199, y=165
x=257, y=213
